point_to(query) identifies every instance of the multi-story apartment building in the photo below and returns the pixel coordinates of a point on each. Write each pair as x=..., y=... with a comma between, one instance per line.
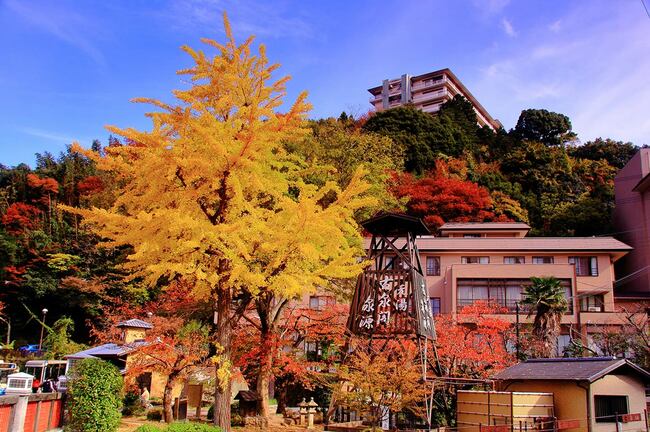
x=632, y=223
x=427, y=92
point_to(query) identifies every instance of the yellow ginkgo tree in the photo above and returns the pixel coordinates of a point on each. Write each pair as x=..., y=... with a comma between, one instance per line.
x=210, y=195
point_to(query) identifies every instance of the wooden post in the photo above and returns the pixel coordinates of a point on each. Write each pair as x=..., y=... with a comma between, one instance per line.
x=618, y=426
x=645, y=417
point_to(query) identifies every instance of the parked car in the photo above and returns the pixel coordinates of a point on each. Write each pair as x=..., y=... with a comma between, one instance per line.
x=30, y=349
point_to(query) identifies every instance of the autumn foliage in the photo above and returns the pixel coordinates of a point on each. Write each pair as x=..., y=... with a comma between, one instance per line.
x=440, y=197
x=20, y=217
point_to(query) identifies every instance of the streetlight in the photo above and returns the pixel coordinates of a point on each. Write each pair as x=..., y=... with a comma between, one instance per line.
x=40, y=342
x=8, y=322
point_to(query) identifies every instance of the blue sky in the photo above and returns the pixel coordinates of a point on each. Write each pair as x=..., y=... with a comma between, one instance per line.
x=68, y=68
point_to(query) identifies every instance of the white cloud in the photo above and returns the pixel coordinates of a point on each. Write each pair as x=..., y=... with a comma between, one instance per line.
x=68, y=26
x=507, y=27
x=49, y=135
x=263, y=19
x=595, y=71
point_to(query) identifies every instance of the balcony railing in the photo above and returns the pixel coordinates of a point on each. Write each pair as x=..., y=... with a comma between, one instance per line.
x=508, y=306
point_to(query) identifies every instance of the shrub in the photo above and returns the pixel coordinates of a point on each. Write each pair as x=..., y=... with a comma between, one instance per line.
x=236, y=420
x=95, y=397
x=132, y=404
x=155, y=414
x=148, y=428
x=191, y=427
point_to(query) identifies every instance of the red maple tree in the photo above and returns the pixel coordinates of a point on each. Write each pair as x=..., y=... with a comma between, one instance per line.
x=20, y=217
x=470, y=344
x=442, y=196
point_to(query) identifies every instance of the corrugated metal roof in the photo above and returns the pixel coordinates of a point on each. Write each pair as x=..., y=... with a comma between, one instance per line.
x=135, y=323
x=568, y=369
x=484, y=225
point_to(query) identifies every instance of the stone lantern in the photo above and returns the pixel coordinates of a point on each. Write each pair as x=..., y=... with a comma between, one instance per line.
x=311, y=410
x=302, y=410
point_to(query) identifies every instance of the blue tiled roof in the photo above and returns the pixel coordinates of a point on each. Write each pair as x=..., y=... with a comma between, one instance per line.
x=135, y=323
x=107, y=350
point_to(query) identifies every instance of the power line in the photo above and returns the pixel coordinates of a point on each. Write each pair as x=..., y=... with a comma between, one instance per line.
x=646, y=8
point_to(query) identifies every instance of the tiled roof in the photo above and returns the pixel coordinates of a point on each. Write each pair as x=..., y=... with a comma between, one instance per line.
x=569, y=369
x=107, y=350
x=484, y=225
x=577, y=244
x=135, y=323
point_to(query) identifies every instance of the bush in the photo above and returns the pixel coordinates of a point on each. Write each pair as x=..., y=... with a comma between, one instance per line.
x=95, y=397
x=148, y=428
x=155, y=414
x=191, y=427
x=132, y=404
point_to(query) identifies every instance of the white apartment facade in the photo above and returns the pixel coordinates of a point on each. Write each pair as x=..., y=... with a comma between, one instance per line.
x=427, y=92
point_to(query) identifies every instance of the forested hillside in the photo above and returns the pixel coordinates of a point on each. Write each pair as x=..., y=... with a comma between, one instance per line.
x=442, y=168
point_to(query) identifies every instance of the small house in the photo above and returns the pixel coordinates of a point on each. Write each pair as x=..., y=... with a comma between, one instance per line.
x=590, y=394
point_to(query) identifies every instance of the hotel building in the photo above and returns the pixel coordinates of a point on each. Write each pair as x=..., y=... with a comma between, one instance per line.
x=427, y=92
x=632, y=224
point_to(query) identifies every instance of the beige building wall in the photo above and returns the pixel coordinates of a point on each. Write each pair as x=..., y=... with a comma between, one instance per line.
x=620, y=385
x=570, y=399
x=452, y=268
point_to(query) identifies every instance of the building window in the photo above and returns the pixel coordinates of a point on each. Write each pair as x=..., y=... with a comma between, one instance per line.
x=313, y=351
x=514, y=260
x=543, y=260
x=608, y=407
x=504, y=293
x=392, y=263
x=433, y=266
x=471, y=235
x=435, y=305
x=563, y=342
x=320, y=302
x=475, y=260
x=592, y=303
x=585, y=265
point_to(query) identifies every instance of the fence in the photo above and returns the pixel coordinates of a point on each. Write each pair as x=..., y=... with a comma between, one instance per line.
x=39, y=412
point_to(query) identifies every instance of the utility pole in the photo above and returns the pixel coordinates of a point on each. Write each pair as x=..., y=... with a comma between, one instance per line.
x=40, y=342
x=517, y=329
x=8, y=322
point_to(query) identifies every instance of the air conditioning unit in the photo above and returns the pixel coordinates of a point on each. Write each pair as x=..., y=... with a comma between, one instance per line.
x=594, y=309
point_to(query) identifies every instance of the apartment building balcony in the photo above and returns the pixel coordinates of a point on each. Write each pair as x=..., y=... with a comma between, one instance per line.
x=503, y=285
x=425, y=97
x=424, y=84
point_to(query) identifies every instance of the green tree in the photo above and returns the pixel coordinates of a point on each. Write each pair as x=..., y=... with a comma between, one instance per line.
x=546, y=299
x=341, y=149
x=548, y=127
x=616, y=153
x=57, y=342
x=94, y=397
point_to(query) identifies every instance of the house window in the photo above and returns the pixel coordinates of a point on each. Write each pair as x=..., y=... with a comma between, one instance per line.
x=435, y=305
x=608, y=407
x=313, y=351
x=543, y=260
x=475, y=260
x=514, y=260
x=433, y=266
x=320, y=302
x=563, y=342
x=505, y=293
x=592, y=303
x=585, y=265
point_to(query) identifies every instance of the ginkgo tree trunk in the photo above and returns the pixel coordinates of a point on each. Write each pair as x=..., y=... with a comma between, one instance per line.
x=211, y=195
